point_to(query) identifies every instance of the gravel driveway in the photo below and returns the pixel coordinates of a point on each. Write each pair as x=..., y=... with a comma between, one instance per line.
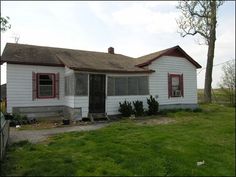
x=35, y=136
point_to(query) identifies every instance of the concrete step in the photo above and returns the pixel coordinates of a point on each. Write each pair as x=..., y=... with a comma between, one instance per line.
x=98, y=116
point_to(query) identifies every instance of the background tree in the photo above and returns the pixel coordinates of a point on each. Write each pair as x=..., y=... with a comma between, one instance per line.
x=199, y=17
x=5, y=23
x=227, y=83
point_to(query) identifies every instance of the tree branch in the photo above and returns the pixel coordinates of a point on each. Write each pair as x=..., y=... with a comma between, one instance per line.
x=192, y=13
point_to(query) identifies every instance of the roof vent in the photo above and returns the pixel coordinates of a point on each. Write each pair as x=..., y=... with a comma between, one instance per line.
x=111, y=50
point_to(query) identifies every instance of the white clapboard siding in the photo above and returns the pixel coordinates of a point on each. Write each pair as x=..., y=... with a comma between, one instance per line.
x=158, y=81
x=69, y=101
x=112, y=102
x=68, y=71
x=19, y=86
x=83, y=103
x=78, y=102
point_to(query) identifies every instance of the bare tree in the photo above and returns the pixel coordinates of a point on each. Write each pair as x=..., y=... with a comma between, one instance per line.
x=227, y=82
x=16, y=37
x=5, y=23
x=199, y=17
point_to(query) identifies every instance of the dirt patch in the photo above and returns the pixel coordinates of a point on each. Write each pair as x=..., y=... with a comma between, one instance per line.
x=35, y=136
x=51, y=124
x=156, y=121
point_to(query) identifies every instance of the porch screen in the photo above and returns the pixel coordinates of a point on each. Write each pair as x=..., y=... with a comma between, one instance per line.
x=76, y=84
x=135, y=85
x=69, y=85
x=81, y=86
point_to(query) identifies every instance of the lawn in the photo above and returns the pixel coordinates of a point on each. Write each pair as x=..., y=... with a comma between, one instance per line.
x=218, y=96
x=130, y=148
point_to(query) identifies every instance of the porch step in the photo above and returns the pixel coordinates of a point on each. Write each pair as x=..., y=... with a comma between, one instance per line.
x=98, y=116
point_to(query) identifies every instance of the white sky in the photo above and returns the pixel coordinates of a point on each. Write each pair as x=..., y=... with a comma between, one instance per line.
x=132, y=28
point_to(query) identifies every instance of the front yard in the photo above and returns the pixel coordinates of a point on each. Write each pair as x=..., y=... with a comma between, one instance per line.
x=132, y=147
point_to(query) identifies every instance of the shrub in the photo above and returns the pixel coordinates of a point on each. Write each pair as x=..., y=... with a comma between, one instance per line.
x=19, y=119
x=153, y=106
x=126, y=108
x=197, y=110
x=138, y=108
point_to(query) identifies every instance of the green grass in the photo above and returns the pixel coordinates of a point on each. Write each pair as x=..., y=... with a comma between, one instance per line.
x=126, y=148
x=218, y=96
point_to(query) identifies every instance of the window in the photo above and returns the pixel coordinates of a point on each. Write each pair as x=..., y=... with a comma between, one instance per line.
x=45, y=85
x=111, y=86
x=175, y=85
x=69, y=85
x=135, y=85
x=143, y=85
x=76, y=84
x=121, y=86
x=81, y=87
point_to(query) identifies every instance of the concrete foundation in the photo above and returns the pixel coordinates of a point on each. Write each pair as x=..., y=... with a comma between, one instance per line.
x=75, y=114
x=49, y=112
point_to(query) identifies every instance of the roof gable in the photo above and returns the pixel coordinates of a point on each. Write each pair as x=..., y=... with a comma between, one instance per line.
x=174, y=51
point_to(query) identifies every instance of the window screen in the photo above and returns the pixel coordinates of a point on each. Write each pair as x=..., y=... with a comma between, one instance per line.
x=143, y=85
x=46, y=85
x=111, y=86
x=133, y=85
x=121, y=86
x=69, y=85
x=81, y=87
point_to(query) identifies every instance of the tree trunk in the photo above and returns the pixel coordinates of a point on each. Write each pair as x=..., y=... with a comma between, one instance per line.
x=210, y=55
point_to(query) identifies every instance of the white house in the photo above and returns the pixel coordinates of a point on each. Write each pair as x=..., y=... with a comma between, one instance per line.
x=45, y=80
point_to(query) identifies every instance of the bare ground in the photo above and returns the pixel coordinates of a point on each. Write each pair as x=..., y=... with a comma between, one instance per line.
x=155, y=121
x=35, y=136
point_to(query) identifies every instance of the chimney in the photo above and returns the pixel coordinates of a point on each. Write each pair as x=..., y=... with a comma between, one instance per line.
x=111, y=50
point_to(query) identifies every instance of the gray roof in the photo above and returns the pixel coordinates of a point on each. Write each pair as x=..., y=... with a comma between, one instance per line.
x=83, y=60
x=74, y=59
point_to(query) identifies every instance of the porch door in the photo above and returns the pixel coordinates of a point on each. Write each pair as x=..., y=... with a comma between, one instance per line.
x=97, y=84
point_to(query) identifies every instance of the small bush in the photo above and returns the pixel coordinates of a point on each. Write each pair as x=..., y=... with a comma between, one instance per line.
x=153, y=106
x=126, y=109
x=20, y=119
x=138, y=108
x=197, y=110
x=8, y=116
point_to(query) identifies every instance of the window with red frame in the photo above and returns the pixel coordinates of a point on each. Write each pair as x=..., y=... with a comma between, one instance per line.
x=45, y=85
x=175, y=85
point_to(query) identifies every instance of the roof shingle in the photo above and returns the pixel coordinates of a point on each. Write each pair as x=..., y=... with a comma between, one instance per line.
x=83, y=60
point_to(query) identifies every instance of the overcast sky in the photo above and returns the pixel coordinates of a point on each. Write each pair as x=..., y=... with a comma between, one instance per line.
x=132, y=28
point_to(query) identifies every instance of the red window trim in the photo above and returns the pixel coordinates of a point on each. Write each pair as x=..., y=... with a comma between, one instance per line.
x=180, y=85
x=53, y=83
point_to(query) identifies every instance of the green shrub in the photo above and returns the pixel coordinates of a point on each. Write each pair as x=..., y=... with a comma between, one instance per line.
x=138, y=108
x=20, y=119
x=125, y=108
x=153, y=106
x=197, y=110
